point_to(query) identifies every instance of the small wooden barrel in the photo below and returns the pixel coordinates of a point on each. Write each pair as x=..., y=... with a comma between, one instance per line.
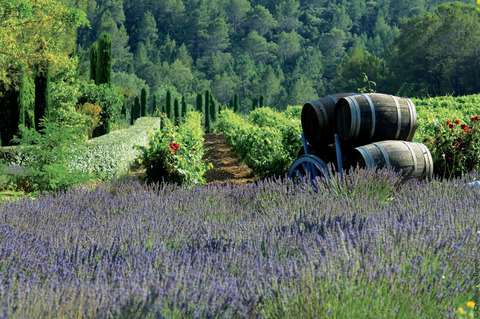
x=366, y=118
x=412, y=159
x=317, y=119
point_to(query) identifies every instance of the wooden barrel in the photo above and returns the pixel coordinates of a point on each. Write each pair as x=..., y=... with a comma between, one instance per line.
x=412, y=159
x=317, y=119
x=372, y=117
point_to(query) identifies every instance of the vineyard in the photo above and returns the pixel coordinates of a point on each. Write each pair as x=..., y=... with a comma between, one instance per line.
x=368, y=245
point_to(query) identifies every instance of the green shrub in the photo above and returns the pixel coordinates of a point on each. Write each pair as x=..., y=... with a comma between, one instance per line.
x=267, y=141
x=455, y=146
x=175, y=154
x=50, y=152
x=108, y=98
x=111, y=155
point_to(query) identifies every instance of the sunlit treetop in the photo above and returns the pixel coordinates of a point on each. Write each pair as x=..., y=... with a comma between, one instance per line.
x=37, y=33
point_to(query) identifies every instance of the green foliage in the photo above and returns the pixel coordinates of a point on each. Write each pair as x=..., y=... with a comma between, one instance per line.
x=144, y=101
x=108, y=98
x=93, y=56
x=52, y=149
x=155, y=109
x=175, y=154
x=111, y=155
x=430, y=55
x=104, y=60
x=208, y=120
x=169, y=106
x=267, y=141
x=455, y=147
x=235, y=103
x=184, y=107
x=176, y=112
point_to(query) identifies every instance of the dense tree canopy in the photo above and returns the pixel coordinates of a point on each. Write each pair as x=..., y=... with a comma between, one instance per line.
x=34, y=34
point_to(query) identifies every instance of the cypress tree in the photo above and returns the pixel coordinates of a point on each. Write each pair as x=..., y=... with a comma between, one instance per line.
x=136, y=112
x=176, y=110
x=155, y=109
x=143, y=102
x=168, y=106
x=213, y=112
x=254, y=103
x=104, y=59
x=235, y=103
x=199, y=102
x=184, y=107
x=26, y=100
x=132, y=114
x=261, y=101
x=208, y=125
x=42, y=96
x=93, y=61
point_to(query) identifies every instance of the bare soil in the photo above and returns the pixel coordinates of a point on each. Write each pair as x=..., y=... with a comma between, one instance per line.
x=226, y=163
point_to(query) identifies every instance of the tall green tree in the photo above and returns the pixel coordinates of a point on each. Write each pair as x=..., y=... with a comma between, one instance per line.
x=176, y=111
x=208, y=124
x=104, y=59
x=93, y=56
x=184, y=107
x=235, y=102
x=438, y=53
x=144, y=102
x=155, y=109
x=169, y=106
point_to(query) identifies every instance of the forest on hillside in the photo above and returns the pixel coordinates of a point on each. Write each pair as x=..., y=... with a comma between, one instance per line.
x=288, y=52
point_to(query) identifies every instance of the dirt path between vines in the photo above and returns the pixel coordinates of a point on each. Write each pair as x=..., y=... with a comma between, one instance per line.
x=227, y=165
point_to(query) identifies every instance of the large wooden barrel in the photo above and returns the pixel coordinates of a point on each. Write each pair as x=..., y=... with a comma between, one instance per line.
x=317, y=119
x=412, y=159
x=366, y=118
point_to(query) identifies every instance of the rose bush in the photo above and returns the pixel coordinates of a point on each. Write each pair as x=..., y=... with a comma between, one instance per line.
x=455, y=147
x=175, y=153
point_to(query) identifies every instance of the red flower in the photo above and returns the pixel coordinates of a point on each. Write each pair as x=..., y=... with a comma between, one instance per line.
x=194, y=149
x=463, y=126
x=459, y=140
x=450, y=126
x=457, y=122
x=466, y=128
x=475, y=118
x=448, y=122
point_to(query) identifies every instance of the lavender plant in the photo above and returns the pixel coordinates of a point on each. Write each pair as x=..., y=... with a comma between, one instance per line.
x=270, y=249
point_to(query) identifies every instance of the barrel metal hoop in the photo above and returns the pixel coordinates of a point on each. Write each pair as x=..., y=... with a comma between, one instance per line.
x=334, y=99
x=428, y=159
x=399, y=118
x=413, y=119
x=367, y=156
x=356, y=118
x=384, y=153
x=415, y=164
x=374, y=120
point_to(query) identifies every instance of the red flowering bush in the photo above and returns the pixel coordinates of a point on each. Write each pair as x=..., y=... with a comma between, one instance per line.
x=175, y=154
x=455, y=147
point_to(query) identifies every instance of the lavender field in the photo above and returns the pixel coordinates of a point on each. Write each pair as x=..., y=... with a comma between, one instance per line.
x=369, y=248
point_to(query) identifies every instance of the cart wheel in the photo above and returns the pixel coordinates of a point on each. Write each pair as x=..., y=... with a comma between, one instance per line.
x=308, y=166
